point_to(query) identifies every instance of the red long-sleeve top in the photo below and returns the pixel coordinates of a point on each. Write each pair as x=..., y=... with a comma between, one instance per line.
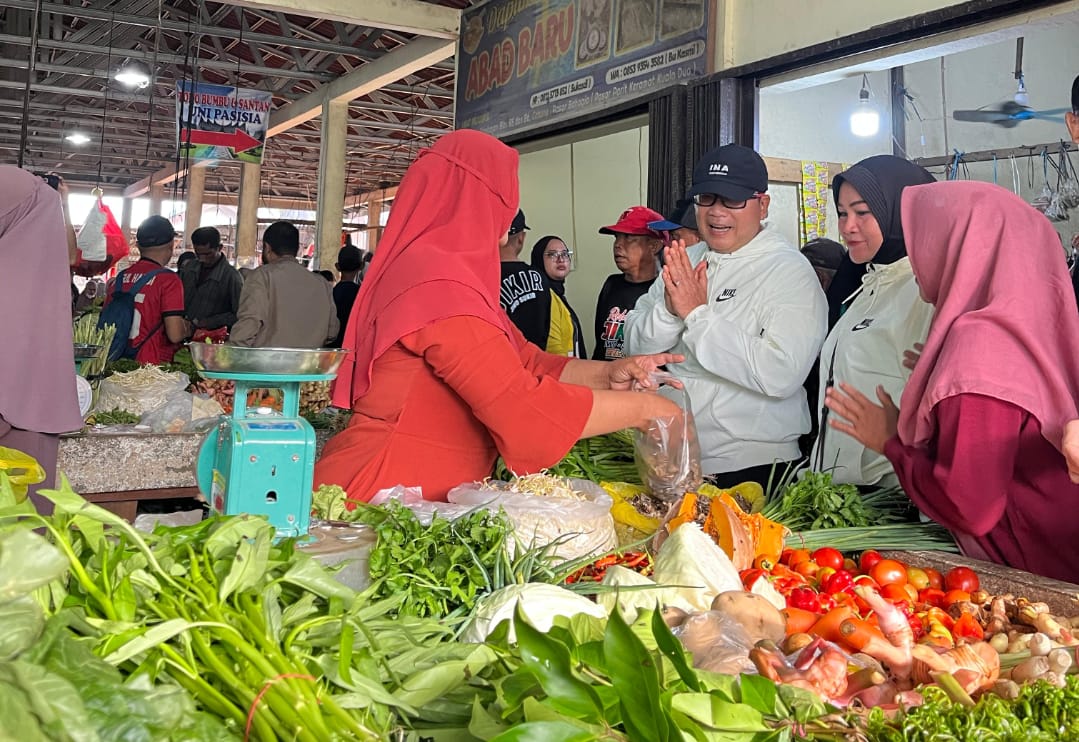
x=990, y=478
x=444, y=402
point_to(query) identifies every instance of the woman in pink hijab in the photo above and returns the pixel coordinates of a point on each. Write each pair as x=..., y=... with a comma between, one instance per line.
x=977, y=440
x=38, y=399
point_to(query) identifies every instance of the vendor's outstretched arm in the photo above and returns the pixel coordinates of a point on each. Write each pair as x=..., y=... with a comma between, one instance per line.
x=620, y=375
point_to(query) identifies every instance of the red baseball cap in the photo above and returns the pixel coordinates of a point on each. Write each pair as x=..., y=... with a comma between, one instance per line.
x=634, y=220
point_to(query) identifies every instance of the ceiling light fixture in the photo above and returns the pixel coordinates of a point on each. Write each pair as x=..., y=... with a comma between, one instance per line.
x=1021, y=96
x=134, y=73
x=865, y=119
x=77, y=138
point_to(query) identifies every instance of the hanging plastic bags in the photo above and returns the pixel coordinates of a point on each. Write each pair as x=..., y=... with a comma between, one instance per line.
x=101, y=242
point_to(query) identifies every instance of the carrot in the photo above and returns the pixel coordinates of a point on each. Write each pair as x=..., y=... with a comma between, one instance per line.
x=856, y=633
x=827, y=627
x=799, y=620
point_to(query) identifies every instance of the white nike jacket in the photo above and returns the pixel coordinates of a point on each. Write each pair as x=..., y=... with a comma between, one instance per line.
x=748, y=351
x=886, y=317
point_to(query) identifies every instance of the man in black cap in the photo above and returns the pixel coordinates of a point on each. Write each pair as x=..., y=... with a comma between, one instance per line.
x=749, y=315
x=158, y=326
x=349, y=262
x=524, y=292
x=682, y=224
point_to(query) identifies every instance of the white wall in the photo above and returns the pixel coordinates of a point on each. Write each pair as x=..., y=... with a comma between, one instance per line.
x=571, y=189
x=814, y=124
x=752, y=30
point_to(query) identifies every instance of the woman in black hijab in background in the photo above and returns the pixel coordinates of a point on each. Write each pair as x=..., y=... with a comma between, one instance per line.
x=880, y=180
x=552, y=258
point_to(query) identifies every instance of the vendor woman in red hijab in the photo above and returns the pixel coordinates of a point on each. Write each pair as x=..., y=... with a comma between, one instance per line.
x=981, y=420
x=441, y=382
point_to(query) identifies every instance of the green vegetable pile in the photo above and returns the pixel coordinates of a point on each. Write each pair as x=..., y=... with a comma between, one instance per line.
x=602, y=458
x=1042, y=713
x=813, y=501
x=115, y=416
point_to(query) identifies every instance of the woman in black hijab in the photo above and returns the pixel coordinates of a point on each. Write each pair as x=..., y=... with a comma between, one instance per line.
x=880, y=180
x=551, y=257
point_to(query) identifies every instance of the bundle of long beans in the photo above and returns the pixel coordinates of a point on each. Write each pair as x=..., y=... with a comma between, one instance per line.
x=602, y=458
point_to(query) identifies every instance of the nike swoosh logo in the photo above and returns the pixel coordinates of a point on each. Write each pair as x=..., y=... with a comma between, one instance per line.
x=724, y=298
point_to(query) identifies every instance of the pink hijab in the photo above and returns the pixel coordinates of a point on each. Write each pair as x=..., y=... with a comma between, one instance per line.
x=438, y=257
x=35, y=306
x=1006, y=324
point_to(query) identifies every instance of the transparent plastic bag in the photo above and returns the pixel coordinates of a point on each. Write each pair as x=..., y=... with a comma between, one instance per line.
x=183, y=412
x=717, y=642
x=668, y=453
x=578, y=527
x=139, y=391
x=425, y=510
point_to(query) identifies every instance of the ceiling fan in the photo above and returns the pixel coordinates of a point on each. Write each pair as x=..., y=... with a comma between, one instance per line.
x=1010, y=113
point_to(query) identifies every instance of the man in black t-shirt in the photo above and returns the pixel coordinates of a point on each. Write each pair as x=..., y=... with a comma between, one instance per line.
x=524, y=293
x=349, y=262
x=636, y=249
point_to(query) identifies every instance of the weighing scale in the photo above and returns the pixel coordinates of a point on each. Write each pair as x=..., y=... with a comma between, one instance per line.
x=259, y=460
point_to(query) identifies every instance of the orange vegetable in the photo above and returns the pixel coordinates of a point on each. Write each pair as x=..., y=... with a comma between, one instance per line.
x=799, y=620
x=828, y=625
x=857, y=634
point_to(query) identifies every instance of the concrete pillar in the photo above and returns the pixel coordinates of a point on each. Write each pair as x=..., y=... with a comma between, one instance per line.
x=374, y=220
x=331, y=183
x=157, y=198
x=247, y=213
x=125, y=217
x=196, y=186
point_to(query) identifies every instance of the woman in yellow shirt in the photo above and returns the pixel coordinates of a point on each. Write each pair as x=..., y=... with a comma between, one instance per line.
x=552, y=258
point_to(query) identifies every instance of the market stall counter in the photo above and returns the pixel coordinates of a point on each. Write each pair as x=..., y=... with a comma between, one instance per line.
x=118, y=471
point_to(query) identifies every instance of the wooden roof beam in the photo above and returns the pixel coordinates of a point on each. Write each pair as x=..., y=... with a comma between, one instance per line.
x=409, y=16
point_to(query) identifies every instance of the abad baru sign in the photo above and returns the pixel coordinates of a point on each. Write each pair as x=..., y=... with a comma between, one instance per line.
x=220, y=122
x=526, y=63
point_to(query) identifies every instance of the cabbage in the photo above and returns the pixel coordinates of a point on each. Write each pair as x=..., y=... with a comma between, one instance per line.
x=540, y=603
x=693, y=561
x=630, y=603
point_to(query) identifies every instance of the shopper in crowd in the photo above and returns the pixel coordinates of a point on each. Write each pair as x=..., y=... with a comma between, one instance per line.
x=284, y=305
x=682, y=224
x=1071, y=436
x=327, y=274
x=636, y=254
x=977, y=440
x=749, y=315
x=525, y=294
x=38, y=399
x=211, y=285
x=441, y=381
x=349, y=262
x=553, y=258
x=186, y=257
x=825, y=256
x=158, y=327
x=883, y=317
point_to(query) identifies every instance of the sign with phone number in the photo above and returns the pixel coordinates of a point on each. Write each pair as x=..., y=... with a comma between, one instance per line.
x=527, y=63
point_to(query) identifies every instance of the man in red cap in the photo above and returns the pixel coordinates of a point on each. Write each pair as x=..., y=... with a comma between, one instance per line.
x=636, y=252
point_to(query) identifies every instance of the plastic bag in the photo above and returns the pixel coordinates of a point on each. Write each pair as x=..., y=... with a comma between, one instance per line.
x=668, y=453
x=580, y=527
x=139, y=391
x=630, y=524
x=717, y=642
x=425, y=510
x=105, y=242
x=183, y=413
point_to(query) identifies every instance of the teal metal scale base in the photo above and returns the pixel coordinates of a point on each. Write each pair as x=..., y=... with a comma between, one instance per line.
x=261, y=461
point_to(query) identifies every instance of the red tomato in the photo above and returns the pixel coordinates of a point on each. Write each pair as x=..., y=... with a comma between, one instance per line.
x=931, y=596
x=797, y=556
x=807, y=568
x=826, y=556
x=896, y=593
x=868, y=559
x=955, y=596
x=889, y=572
x=936, y=579
x=961, y=578
x=917, y=578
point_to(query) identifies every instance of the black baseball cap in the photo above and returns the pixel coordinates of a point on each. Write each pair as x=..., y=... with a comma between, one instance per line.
x=155, y=232
x=731, y=171
x=518, y=223
x=683, y=216
x=824, y=253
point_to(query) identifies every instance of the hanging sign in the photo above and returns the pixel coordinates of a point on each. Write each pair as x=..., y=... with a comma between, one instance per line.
x=220, y=122
x=527, y=63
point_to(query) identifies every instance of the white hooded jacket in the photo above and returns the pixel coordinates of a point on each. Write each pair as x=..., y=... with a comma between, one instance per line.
x=886, y=317
x=747, y=351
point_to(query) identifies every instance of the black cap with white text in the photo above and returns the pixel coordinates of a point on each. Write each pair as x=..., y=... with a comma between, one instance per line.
x=731, y=171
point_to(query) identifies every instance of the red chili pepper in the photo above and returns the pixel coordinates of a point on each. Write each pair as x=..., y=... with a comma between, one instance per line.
x=966, y=627
x=634, y=559
x=607, y=561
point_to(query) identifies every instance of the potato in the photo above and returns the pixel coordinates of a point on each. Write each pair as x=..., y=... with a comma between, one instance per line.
x=758, y=617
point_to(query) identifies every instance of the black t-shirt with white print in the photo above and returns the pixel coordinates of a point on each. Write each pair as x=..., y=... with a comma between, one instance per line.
x=526, y=297
x=617, y=297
